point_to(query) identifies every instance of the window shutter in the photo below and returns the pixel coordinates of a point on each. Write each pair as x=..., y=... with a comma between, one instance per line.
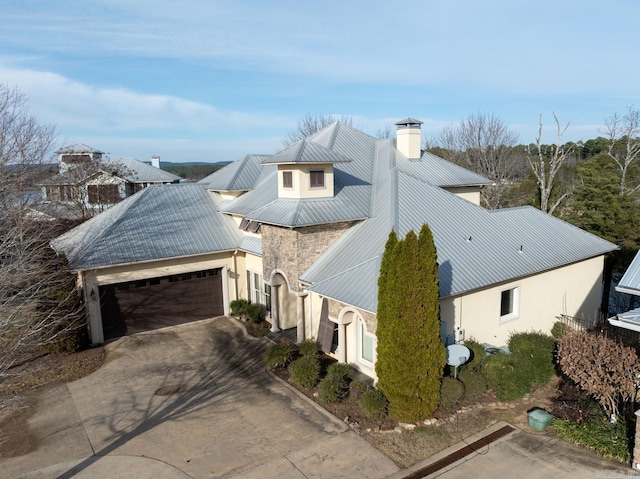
x=325, y=328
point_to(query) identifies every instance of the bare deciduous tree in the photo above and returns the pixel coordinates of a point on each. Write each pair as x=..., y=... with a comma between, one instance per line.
x=385, y=132
x=311, y=123
x=623, y=133
x=602, y=367
x=38, y=301
x=547, y=163
x=485, y=145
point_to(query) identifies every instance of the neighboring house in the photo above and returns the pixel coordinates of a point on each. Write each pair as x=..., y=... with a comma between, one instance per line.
x=87, y=183
x=629, y=284
x=303, y=231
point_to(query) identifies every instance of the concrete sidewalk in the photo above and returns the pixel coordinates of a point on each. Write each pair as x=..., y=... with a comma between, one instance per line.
x=188, y=401
x=525, y=455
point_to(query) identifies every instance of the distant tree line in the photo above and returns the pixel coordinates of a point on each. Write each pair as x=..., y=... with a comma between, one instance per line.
x=192, y=171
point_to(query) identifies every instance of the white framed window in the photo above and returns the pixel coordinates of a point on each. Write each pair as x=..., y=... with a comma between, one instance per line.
x=316, y=179
x=509, y=304
x=366, y=345
x=267, y=296
x=256, y=287
x=287, y=179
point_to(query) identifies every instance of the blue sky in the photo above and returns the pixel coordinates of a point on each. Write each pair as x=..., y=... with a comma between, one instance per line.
x=209, y=80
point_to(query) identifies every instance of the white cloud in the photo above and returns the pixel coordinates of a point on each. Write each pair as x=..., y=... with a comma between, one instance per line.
x=69, y=104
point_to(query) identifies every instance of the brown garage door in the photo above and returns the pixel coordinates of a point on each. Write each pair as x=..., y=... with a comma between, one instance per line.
x=159, y=302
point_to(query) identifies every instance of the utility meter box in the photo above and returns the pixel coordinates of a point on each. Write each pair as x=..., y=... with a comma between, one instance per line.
x=458, y=335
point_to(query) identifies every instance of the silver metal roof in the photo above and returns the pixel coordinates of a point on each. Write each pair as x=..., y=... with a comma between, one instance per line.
x=139, y=172
x=630, y=281
x=476, y=247
x=305, y=151
x=77, y=149
x=439, y=172
x=240, y=175
x=159, y=222
x=130, y=169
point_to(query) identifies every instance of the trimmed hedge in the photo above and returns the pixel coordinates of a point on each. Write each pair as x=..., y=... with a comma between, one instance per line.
x=530, y=362
x=374, y=404
x=308, y=347
x=278, y=356
x=238, y=306
x=305, y=371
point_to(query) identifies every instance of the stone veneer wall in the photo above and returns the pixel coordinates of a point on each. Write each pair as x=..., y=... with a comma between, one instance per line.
x=293, y=250
x=370, y=319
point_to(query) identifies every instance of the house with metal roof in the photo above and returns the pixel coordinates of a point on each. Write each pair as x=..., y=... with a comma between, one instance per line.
x=303, y=232
x=629, y=284
x=88, y=183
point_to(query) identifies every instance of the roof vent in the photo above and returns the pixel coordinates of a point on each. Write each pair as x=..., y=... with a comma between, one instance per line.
x=409, y=138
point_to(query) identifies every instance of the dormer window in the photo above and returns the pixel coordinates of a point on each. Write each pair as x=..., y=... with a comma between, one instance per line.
x=316, y=179
x=287, y=179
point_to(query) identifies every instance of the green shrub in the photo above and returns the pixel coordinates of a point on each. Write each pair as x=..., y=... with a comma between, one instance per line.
x=535, y=350
x=332, y=389
x=451, y=391
x=475, y=384
x=305, y=371
x=255, y=312
x=610, y=441
x=477, y=355
x=530, y=362
x=373, y=404
x=340, y=370
x=278, y=356
x=509, y=379
x=238, y=306
x=358, y=388
x=559, y=329
x=308, y=347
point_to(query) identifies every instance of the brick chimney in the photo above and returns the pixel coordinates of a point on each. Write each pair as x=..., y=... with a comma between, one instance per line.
x=409, y=138
x=155, y=161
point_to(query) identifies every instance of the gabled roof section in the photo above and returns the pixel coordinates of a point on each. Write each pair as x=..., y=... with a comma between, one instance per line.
x=630, y=281
x=352, y=188
x=159, y=222
x=240, y=175
x=306, y=152
x=136, y=171
x=439, y=172
x=78, y=149
x=477, y=248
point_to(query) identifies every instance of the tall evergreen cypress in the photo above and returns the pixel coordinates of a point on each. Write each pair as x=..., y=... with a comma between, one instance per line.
x=410, y=353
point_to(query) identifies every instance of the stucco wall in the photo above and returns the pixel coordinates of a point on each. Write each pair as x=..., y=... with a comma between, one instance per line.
x=575, y=290
x=470, y=193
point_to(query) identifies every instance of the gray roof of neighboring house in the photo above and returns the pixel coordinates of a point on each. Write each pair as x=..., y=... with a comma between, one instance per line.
x=476, y=247
x=630, y=281
x=138, y=172
x=129, y=169
x=240, y=175
x=77, y=149
x=159, y=222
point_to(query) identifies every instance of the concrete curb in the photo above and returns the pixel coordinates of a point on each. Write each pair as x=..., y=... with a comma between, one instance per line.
x=311, y=402
x=452, y=449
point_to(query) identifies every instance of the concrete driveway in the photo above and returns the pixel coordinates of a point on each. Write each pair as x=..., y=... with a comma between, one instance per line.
x=189, y=401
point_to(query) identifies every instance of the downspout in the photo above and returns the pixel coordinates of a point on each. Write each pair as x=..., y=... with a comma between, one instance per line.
x=235, y=273
x=310, y=318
